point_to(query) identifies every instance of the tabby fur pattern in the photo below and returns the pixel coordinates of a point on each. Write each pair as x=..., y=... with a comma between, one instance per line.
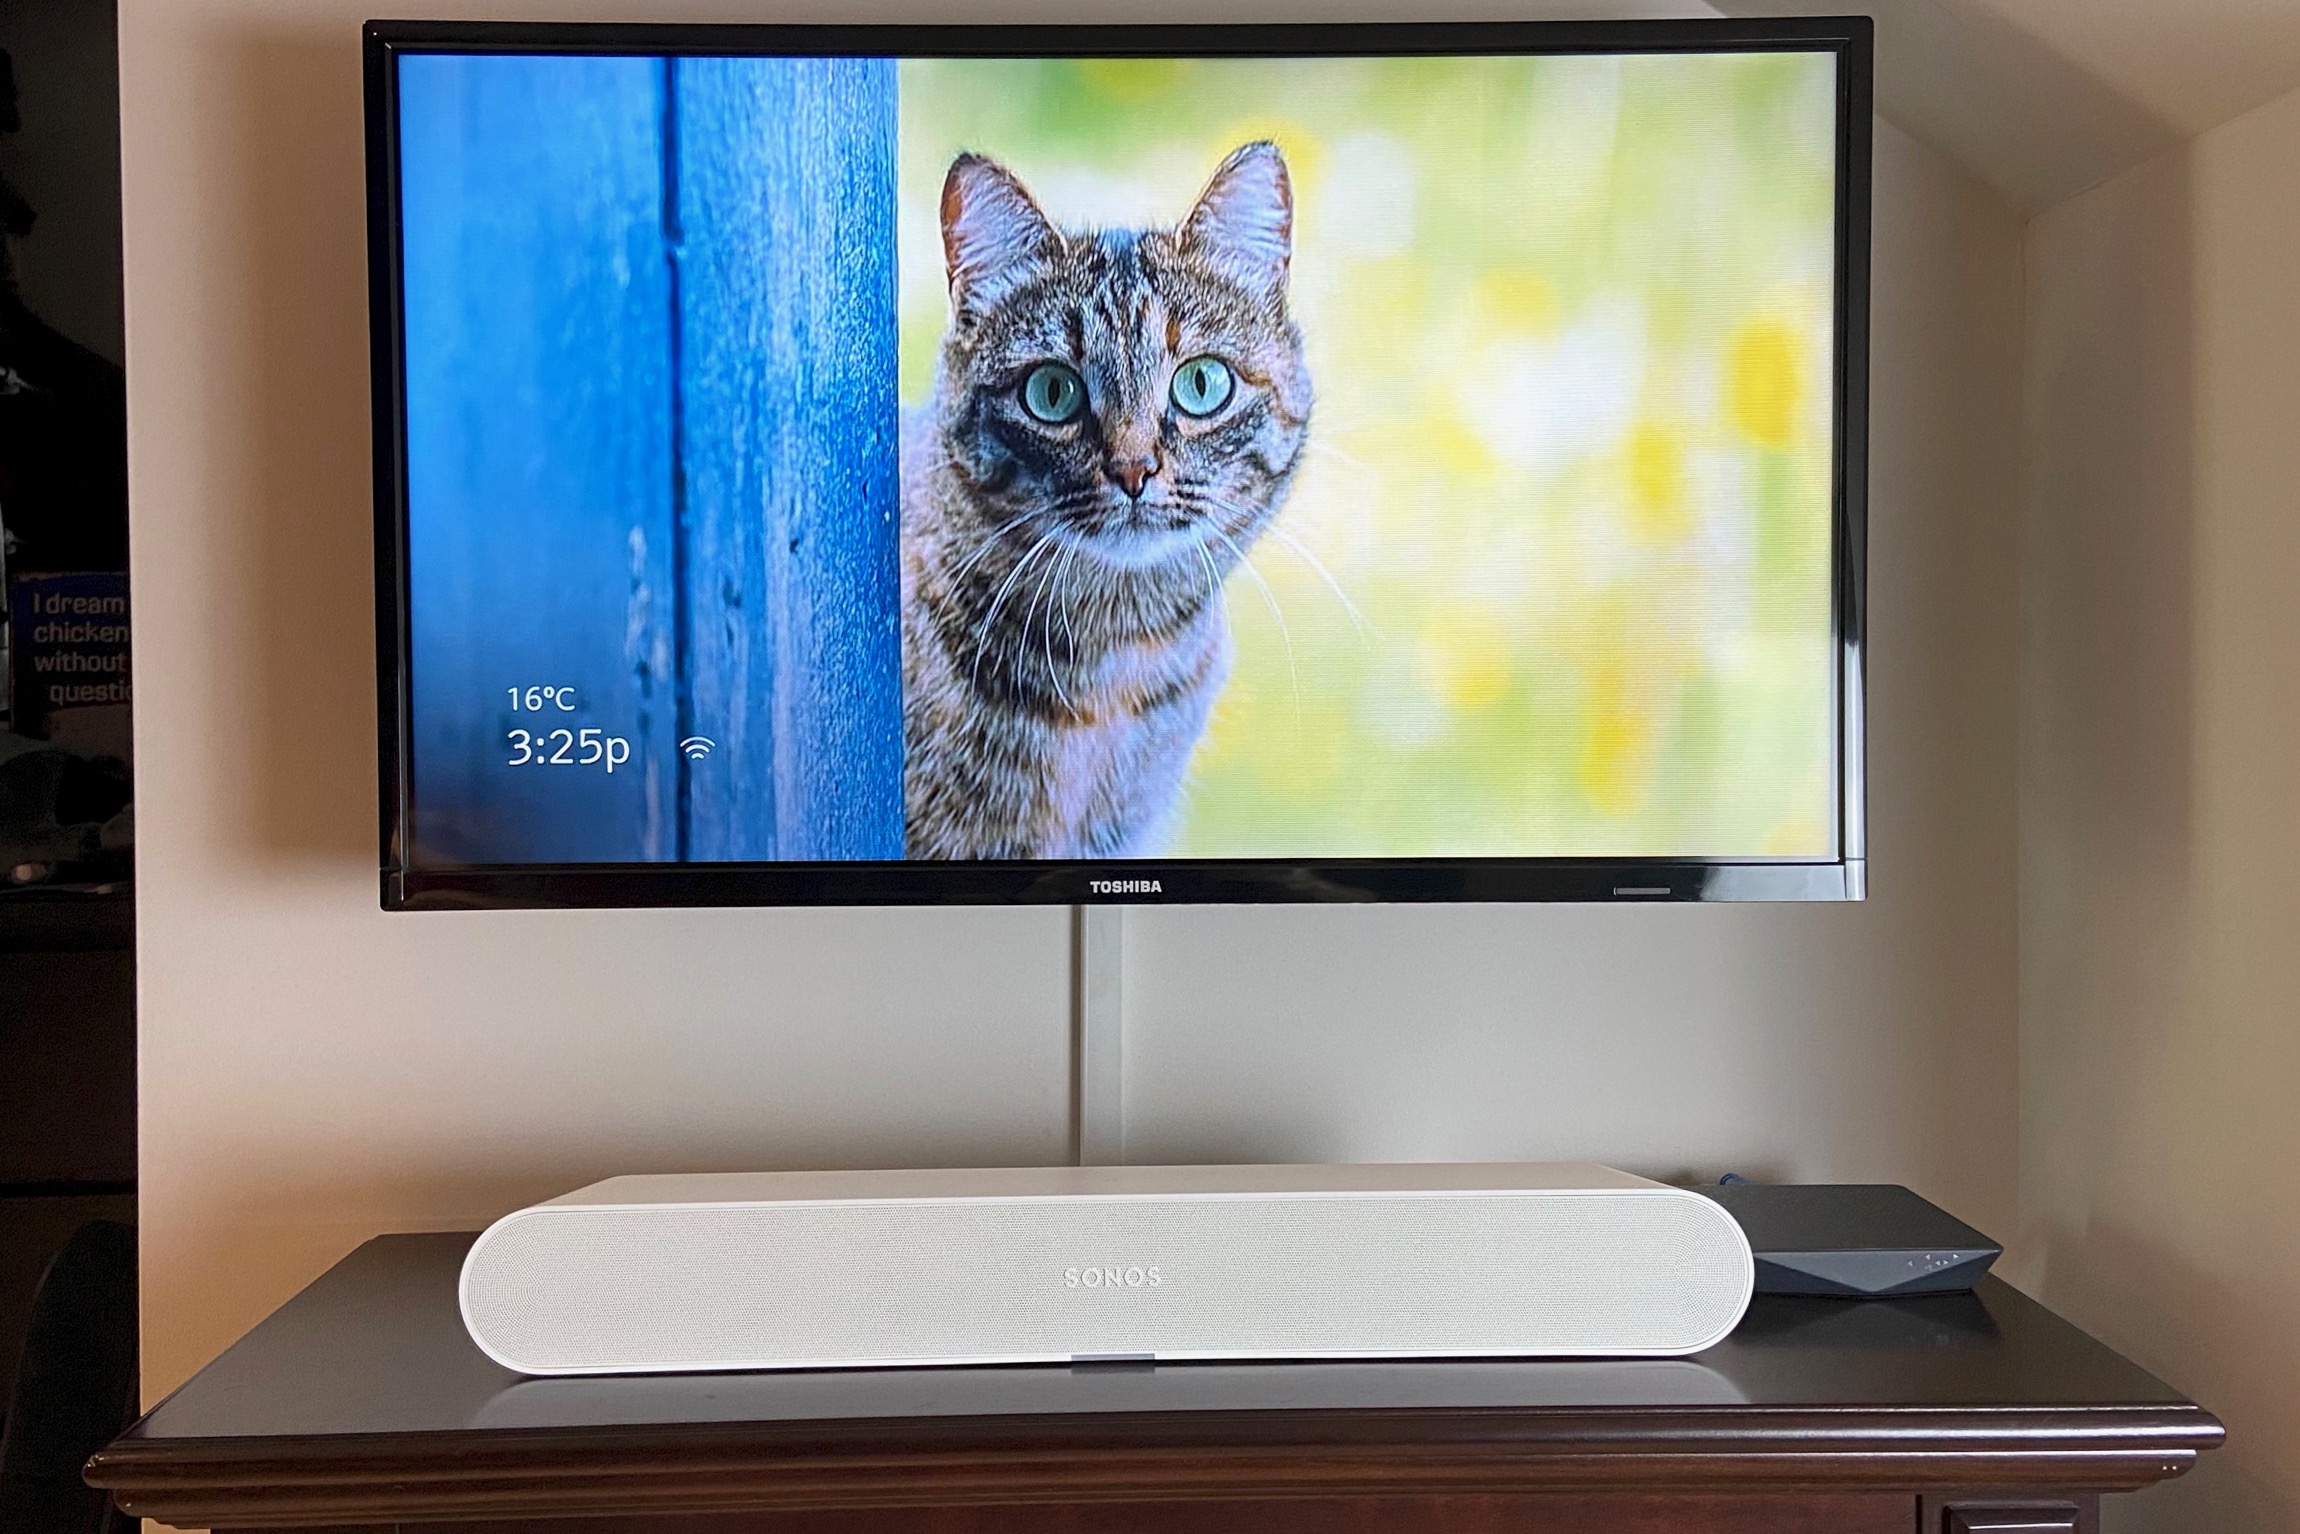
x=1063, y=631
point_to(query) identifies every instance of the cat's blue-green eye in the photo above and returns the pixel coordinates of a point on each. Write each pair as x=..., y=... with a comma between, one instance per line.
x=1203, y=385
x=1053, y=393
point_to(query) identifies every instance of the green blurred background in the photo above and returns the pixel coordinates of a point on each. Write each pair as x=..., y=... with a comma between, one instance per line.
x=1555, y=579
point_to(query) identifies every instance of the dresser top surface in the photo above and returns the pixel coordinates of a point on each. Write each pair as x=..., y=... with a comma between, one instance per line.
x=376, y=1346
x=363, y=1401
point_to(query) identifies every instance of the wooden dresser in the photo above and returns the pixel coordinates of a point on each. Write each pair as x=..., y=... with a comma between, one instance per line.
x=363, y=1404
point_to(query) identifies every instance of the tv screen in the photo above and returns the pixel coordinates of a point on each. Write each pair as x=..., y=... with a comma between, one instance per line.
x=822, y=465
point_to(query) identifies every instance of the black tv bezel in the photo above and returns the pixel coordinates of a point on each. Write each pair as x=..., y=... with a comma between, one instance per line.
x=1132, y=881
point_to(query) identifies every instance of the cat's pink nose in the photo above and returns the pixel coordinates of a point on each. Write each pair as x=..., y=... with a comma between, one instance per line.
x=1132, y=474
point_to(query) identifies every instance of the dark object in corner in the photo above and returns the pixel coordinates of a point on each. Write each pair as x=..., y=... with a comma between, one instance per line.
x=1855, y=1240
x=63, y=419
x=75, y=1387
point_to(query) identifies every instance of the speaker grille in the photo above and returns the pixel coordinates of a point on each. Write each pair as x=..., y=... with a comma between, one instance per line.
x=726, y=1286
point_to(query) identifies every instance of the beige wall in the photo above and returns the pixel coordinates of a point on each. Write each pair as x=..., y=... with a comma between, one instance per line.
x=2160, y=942
x=315, y=1072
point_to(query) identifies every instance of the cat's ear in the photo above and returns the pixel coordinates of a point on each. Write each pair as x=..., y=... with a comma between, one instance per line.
x=992, y=233
x=1244, y=220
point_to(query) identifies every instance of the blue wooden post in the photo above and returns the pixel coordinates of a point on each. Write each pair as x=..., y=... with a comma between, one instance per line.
x=540, y=464
x=786, y=220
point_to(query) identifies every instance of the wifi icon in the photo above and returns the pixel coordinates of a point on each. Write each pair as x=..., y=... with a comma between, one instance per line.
x=696, y=747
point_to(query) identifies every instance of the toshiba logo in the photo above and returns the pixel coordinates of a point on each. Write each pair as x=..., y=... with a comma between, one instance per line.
x=1112, y=1278
x=1126, y=886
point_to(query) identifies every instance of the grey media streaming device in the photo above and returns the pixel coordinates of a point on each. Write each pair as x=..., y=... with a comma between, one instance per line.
x=1855, y=1241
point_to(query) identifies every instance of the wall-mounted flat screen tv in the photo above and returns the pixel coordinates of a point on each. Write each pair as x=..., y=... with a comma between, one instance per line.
x=914, y=465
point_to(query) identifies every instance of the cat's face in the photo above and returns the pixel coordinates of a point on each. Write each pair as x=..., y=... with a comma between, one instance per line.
x=1140, y=393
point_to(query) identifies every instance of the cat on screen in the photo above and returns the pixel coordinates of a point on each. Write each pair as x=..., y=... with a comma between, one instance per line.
x=1117, y=416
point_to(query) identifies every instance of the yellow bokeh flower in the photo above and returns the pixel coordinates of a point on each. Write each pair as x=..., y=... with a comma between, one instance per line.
x=1657, y=482
x=1453, y=445
x=1617, y=751
x=1470, y=660
x=1765, y=381
x=1517, y=299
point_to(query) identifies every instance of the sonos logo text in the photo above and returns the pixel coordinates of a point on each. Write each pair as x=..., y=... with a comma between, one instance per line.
x=1112, y=1278
x=1126, y=886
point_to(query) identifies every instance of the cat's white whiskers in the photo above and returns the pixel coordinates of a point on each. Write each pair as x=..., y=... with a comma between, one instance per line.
x=979, y=553
x=1213, y=591
x=1270, y=598
x=1350, y=489
x=1069, y=604
x=997, y=539
x=1365, y=630
x=1051, y=591
x=1030, y=616
x=990, y=618
x=1222, y=507
x=1328, y=450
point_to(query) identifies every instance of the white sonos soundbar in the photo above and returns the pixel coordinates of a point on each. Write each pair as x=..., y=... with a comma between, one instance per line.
x=836, y=1270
